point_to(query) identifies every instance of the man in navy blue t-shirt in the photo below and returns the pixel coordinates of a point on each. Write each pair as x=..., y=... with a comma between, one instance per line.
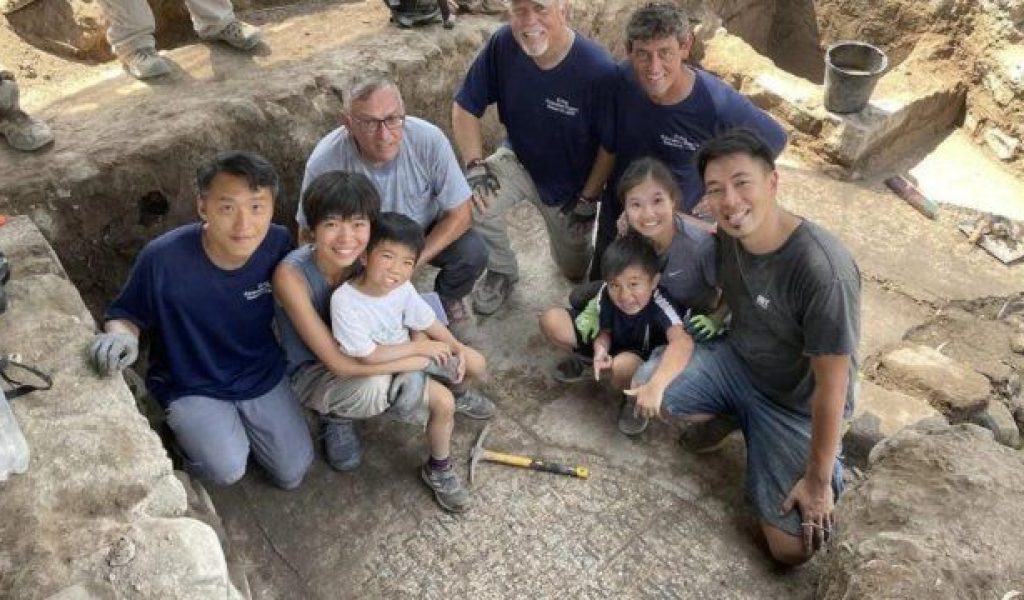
x=202, y=293
x=542, y=75
x=663, y=108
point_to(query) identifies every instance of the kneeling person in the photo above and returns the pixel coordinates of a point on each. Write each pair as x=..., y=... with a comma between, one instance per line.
x=635, y=318
x=202, y=291
x=371, y=317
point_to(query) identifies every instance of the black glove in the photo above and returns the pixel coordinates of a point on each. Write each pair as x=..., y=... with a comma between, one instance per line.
x=580, y=212
x=482, y=181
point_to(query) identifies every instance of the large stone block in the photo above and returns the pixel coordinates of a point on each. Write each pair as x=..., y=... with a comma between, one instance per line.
x=99, y=512
x=878, y=414
x=939, y=516
x=998, y=419
x=951, y=388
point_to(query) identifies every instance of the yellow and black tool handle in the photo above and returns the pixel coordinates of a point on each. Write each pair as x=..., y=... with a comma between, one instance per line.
x=536, y=464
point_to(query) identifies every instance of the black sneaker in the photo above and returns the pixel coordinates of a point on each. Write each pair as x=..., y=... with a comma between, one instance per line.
x=572, y=369
x=447, y=488
x=629, y=422
x=708, y=436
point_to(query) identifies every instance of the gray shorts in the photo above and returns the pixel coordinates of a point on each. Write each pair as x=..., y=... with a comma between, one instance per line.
x=321, y=391
x=778, y=439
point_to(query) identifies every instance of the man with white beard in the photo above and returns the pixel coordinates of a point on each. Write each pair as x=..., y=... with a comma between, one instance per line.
x=543, y=77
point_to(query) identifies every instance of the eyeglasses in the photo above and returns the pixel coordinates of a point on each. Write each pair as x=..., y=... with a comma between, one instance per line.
x=393, y=123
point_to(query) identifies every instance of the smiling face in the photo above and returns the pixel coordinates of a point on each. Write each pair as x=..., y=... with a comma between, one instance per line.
x=658, y=65
x=631, y=290
x=540, y=29
x=236, y=219
x=376, y=125
x=339, y=242
x=388, y=265
x=650, y=211
x=740, y=191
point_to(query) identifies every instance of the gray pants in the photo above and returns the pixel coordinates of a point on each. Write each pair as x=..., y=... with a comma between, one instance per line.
x=217, y=436
x=323, y=392
x=570, y=249
x=130, y=23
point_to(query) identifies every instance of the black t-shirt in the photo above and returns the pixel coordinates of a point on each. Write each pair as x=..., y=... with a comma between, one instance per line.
x=800, y=301
x=640, y=333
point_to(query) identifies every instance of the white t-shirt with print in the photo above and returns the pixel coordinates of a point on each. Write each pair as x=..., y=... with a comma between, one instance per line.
x=360, y=322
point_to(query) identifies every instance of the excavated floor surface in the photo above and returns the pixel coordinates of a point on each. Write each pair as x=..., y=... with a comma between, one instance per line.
x=653, y=520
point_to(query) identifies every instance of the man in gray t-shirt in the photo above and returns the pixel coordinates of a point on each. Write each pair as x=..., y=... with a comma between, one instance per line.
x=413, y=167
x=786, y=373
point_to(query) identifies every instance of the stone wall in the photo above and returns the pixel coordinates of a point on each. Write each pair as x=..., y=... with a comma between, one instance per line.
x=99, y=512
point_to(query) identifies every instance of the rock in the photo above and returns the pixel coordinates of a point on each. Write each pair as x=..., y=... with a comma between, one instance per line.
x=998, y=419
x=880, y=413
x=938, y=517
x=1017, y=343
x=1003, y=145
x=77, y=28
x=954, y=390
x=99, y=509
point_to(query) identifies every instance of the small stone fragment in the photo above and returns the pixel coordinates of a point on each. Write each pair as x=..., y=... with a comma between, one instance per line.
x=121, y=553
x=998, y=419
x=1017, y=343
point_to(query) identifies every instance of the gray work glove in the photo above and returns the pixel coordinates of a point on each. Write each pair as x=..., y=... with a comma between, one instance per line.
x=483, y=182
x=405, y=396
x=112, y=352
x=446, y=373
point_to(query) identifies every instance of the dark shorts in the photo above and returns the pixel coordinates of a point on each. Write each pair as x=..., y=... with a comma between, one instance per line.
x=778, y=439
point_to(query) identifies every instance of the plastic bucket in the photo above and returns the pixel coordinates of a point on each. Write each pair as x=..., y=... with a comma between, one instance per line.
x=851, y=71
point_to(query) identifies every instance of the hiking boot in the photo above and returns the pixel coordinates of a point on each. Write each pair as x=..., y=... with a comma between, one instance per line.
x=23, y=132
x=571, y=370
x=492, y=292
x=629, y=422
x=145, y=63
x=459, y=320
x=237, y=34
x=474, y=405
x=449, y=23
x=342, y=448
x=708, y=436
x=447, y=488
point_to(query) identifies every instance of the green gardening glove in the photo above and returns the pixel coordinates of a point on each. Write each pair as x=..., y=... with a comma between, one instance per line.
x=587, y=321
x=703, y=327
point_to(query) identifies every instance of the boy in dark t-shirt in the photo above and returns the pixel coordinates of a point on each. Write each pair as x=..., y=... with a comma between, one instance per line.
x=635, y=318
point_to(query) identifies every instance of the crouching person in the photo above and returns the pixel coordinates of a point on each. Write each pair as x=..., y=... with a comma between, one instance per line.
x=341, y=209
x=634, y=319
x=202, y=294
x=372, y=316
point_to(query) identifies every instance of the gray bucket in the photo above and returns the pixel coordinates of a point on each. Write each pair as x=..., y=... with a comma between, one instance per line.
x=851, y=71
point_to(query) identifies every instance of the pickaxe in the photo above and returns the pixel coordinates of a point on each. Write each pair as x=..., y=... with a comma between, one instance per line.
x=479, y=453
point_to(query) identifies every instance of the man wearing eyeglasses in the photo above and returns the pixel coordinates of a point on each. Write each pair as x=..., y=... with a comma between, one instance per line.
x=667, y=109
x=416, y=173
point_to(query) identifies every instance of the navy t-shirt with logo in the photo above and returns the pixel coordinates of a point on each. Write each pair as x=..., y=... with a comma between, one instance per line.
x=635, y=127
x=640, y=333
x=551, y=116
x=210, y=329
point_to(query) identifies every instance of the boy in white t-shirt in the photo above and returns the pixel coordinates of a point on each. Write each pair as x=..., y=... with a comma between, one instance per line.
x=372, y=316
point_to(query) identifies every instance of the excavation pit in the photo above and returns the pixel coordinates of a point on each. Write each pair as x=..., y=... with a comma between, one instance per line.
x=653, y=520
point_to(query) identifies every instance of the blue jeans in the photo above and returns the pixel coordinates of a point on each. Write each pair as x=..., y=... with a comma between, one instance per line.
x=217, y=435
x=461, y=263
x=717, y=381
